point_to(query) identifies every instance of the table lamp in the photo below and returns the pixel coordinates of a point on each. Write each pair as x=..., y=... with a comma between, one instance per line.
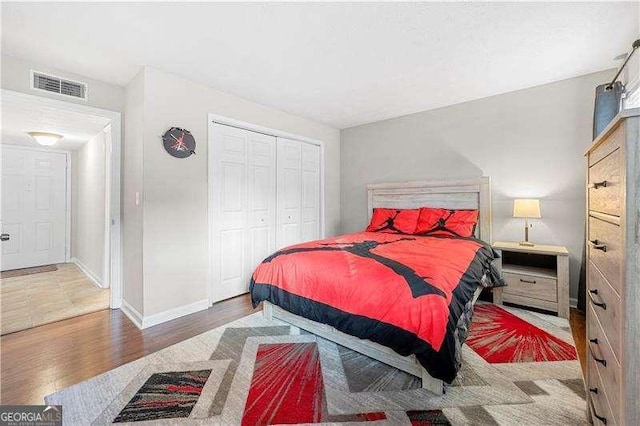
x=527, y=209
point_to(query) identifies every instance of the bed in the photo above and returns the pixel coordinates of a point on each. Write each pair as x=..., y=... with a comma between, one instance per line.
x=405, y=300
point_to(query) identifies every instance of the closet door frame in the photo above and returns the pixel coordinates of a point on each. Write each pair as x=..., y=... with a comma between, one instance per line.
x=211, y=163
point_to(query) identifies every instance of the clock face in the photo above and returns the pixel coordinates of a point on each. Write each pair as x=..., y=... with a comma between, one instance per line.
x=179, y=142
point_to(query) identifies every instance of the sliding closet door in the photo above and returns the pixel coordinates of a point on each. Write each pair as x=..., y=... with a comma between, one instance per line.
x=298, y=192
x=242, y=166
x=289, y=192
x=310, y=192
x=261, y=194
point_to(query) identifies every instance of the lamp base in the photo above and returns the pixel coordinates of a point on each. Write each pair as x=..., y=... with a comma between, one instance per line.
x=526, y=242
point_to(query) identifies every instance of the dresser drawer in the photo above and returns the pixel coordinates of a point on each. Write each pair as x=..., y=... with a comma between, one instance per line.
x=604, y=185
x=605, y=250
x=599, y=352
x=606, y=305
x=599, y=404
x=534, y=287
x=610, y=144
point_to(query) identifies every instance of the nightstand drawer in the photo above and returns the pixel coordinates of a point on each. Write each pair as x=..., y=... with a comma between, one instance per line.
x=604, y=247
x=606, y=305
x=529, y=286
x=604, y=185
x=599, y=352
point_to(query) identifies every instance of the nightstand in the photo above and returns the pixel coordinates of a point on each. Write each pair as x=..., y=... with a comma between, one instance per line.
x=536, y=276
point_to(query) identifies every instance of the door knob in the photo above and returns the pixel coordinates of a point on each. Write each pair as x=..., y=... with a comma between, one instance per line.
x=5, y=237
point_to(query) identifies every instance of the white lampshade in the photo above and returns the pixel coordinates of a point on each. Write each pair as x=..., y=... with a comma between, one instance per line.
x=527, y=208
x=45, y=139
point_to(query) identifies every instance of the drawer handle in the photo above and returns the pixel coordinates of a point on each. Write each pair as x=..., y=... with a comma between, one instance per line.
x=593, y=390
x=593, y=409
x=601, y=304
x=598, y=245
x=522, y=280
x=593, y=354
x=596, y=185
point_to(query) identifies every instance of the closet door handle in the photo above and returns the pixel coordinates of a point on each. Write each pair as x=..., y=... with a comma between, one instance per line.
x=522, y=280
x=603, y=305
x=593, y=354
x=598, y=245
x=593, y=410
x=596, y=185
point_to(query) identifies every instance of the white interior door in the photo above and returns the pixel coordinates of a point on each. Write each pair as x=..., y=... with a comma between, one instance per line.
x=310, y=192
x=298, y=192
x=261, y=194
x=242, y=164
x=33, y=207
x=289, y=192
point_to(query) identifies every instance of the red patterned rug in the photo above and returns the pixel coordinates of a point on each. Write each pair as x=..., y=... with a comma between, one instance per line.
x=499, y=336
x=259, y=372
x=276, y=398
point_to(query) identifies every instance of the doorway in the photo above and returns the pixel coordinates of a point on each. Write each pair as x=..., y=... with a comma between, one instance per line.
x=60, y=205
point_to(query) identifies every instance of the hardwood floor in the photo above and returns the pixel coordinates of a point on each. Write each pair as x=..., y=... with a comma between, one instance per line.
x=577, y=321
x=45, y=359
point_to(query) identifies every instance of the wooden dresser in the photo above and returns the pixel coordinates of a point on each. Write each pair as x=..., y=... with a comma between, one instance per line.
x=613, y=273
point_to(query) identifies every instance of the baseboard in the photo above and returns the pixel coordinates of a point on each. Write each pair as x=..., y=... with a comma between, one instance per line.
x=88, y=272
x=132, y=314
x=160, y=317
x=573, y=302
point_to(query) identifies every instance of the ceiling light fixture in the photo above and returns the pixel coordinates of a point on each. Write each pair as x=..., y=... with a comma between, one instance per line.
x=45, y=139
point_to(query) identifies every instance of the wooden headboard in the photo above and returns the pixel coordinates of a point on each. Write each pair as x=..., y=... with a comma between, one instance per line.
x=449, y=194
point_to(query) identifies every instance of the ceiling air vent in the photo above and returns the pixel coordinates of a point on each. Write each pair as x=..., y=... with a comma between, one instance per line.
x=61, y=86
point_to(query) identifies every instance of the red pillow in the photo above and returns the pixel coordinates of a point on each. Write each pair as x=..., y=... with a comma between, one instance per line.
x=396, y=221
x=433, y=221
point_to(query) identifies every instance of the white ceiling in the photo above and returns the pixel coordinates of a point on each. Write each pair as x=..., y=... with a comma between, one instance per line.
x=22, y=114
x=340, y=63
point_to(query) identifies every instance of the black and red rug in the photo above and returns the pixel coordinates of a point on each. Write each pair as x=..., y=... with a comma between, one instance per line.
x=519, y=367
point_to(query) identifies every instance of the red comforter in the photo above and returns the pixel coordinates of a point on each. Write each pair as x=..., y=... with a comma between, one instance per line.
x=394, y=289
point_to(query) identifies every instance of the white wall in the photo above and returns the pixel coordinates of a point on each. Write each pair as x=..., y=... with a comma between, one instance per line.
x=16, y=76
x=175, y=191
x=88, y=168
x=132, y=281
x=631, y=75
x=634, y=66
x=530, y=142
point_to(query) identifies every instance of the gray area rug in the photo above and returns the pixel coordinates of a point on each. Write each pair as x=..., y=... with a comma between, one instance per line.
x=255, y=371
